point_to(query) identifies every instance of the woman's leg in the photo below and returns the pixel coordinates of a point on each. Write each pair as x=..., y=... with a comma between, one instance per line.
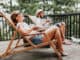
x=53, y=32
x=62, y=31
x=59, y=41
x=50, y=32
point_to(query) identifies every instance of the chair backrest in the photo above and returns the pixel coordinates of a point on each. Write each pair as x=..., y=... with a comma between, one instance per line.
x=9, y=22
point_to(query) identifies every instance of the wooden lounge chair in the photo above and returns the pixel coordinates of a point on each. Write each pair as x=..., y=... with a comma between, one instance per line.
x=19, y=48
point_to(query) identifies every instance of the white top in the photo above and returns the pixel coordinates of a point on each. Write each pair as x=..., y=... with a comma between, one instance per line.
x=41, y=22
x=23, y=25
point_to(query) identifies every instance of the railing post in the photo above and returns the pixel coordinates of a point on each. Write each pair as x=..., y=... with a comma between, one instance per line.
x=79, y=25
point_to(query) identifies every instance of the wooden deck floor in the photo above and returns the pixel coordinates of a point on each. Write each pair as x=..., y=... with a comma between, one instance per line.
x=43, y=54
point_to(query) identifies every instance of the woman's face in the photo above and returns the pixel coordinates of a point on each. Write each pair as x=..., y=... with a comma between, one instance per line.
x=42, y=14
x=20, y=17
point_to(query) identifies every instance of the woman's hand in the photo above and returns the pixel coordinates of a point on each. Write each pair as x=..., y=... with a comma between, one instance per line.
x=35, y=28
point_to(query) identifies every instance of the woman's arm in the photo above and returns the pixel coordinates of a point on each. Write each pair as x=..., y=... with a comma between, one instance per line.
x=48, y=22
x=38, y=28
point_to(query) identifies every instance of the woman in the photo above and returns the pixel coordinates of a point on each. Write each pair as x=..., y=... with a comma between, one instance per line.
x=24, y=28
x=46, y=23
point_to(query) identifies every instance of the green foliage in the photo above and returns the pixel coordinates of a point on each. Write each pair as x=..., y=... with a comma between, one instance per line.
x=63, y=2
x=30, y=6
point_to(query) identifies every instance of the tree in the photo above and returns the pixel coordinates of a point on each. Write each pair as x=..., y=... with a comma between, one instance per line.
x=30, y=6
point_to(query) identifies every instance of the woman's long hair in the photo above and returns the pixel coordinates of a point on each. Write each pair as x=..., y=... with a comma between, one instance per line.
x=13, y=17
